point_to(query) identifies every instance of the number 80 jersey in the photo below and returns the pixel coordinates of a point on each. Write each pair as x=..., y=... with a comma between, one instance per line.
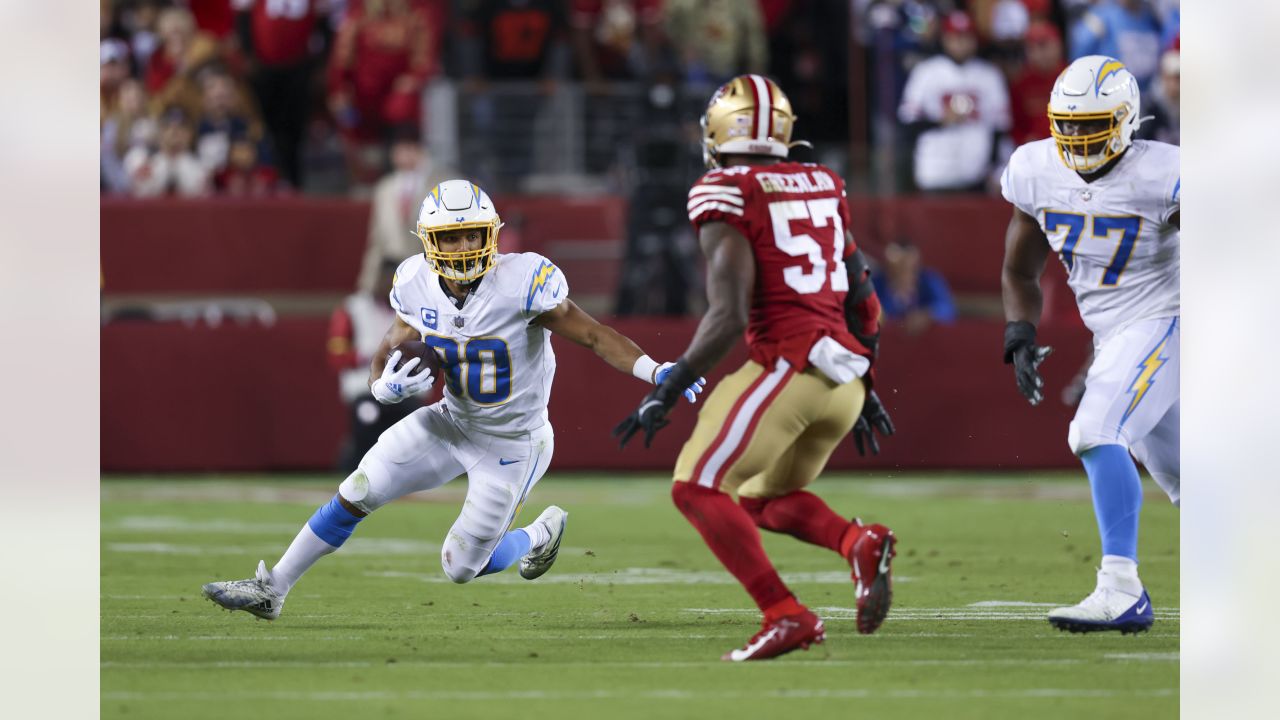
x=1113, y=235
x=497, y=367
x=794, y=215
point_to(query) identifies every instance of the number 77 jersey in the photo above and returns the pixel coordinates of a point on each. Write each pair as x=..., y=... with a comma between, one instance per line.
x=794, y=216
x=1114, y=235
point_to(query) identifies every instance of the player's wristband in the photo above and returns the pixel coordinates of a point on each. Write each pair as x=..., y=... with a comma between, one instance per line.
x=646, y=369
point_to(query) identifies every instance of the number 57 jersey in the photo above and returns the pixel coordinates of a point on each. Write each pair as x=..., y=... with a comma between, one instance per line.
x=794, y=216
x=1113, y=235
x=497, y=367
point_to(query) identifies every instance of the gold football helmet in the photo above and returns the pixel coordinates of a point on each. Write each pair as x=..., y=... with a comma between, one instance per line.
x=749, y=115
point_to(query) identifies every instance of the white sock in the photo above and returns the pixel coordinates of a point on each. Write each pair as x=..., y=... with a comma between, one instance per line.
x=539, y=535
x=1120, y=573
x=303, y=552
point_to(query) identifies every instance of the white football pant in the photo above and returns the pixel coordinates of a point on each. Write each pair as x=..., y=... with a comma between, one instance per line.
x=1131, y=398
x=428, y=449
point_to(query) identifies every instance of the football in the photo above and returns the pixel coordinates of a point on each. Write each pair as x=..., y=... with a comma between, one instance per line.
x=418, y=349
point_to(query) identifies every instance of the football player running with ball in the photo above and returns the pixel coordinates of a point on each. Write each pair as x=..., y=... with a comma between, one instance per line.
x=782, y=266
x=1108, y=206
x=490, y=317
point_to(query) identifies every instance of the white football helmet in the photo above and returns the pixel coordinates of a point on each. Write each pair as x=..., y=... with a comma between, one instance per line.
x=1093, y=112
x=458, y=205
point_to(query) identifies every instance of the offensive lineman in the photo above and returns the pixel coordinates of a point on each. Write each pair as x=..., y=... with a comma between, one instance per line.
x=1108, y=205
x=781, y=266
x=490, y=317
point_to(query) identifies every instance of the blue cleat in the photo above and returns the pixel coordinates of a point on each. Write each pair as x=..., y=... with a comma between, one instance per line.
x=1106, y=609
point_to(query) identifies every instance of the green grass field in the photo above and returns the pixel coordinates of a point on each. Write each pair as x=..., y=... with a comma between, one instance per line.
x=631, y=621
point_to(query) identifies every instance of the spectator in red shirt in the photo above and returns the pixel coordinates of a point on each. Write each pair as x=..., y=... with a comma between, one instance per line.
x=277, y=38
x=381, y=60
x=1030, y=88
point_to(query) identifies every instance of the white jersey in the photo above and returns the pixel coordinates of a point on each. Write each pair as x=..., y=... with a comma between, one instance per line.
x=1113, y=235
x=959, y=154
x=498, y=368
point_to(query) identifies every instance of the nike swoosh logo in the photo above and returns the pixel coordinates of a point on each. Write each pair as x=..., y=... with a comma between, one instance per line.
x=504, y=461
x=751, y=649
x=1141, y=607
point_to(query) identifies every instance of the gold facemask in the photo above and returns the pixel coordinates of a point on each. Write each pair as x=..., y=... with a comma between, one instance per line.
x=1074, y=149
x=466, y=265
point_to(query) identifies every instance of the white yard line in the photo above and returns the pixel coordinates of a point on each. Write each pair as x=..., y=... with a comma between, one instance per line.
x=1146, y=657
x=632, y=576
x=838, y=613
x=744, y=693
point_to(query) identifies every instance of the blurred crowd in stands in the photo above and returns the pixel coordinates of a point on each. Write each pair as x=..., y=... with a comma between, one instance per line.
x=382, y=99
x=263, y=97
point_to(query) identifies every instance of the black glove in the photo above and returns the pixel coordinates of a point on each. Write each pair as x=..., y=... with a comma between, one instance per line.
x=1020, y=349
x=652, y=413
x=873, y=416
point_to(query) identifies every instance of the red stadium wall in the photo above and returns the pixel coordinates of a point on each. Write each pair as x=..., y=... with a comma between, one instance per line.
x=266, y=400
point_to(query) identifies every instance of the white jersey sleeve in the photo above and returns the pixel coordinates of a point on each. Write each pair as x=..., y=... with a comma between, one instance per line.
x=406, y=291
x=1017, y=183
x=544, y=285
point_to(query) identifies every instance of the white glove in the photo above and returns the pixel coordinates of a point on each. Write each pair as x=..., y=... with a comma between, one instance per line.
x=396, y=385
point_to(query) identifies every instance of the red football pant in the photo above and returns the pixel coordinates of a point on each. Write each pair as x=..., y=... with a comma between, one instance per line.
x=729, y=532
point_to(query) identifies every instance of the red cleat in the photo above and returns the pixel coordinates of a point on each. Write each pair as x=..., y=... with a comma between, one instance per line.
x=872, y=576
x=787, y=633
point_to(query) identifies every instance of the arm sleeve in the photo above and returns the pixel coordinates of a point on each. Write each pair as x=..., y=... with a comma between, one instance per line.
x=717, y=197
x=396, y=297
x=544, y=287
x=1015, y=183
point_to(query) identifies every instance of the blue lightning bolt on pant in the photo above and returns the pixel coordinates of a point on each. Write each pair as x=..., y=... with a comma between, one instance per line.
x=1131, y=405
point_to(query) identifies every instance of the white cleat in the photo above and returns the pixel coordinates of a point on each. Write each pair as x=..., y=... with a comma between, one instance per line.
x=254, y=596
x=535, y=564
x=1106, y=609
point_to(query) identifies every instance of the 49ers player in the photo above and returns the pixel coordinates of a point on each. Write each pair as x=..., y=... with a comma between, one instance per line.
x=782, y=266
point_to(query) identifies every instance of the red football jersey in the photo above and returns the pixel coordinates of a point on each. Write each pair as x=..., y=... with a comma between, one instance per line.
x=794, y=215
x=282, y=30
